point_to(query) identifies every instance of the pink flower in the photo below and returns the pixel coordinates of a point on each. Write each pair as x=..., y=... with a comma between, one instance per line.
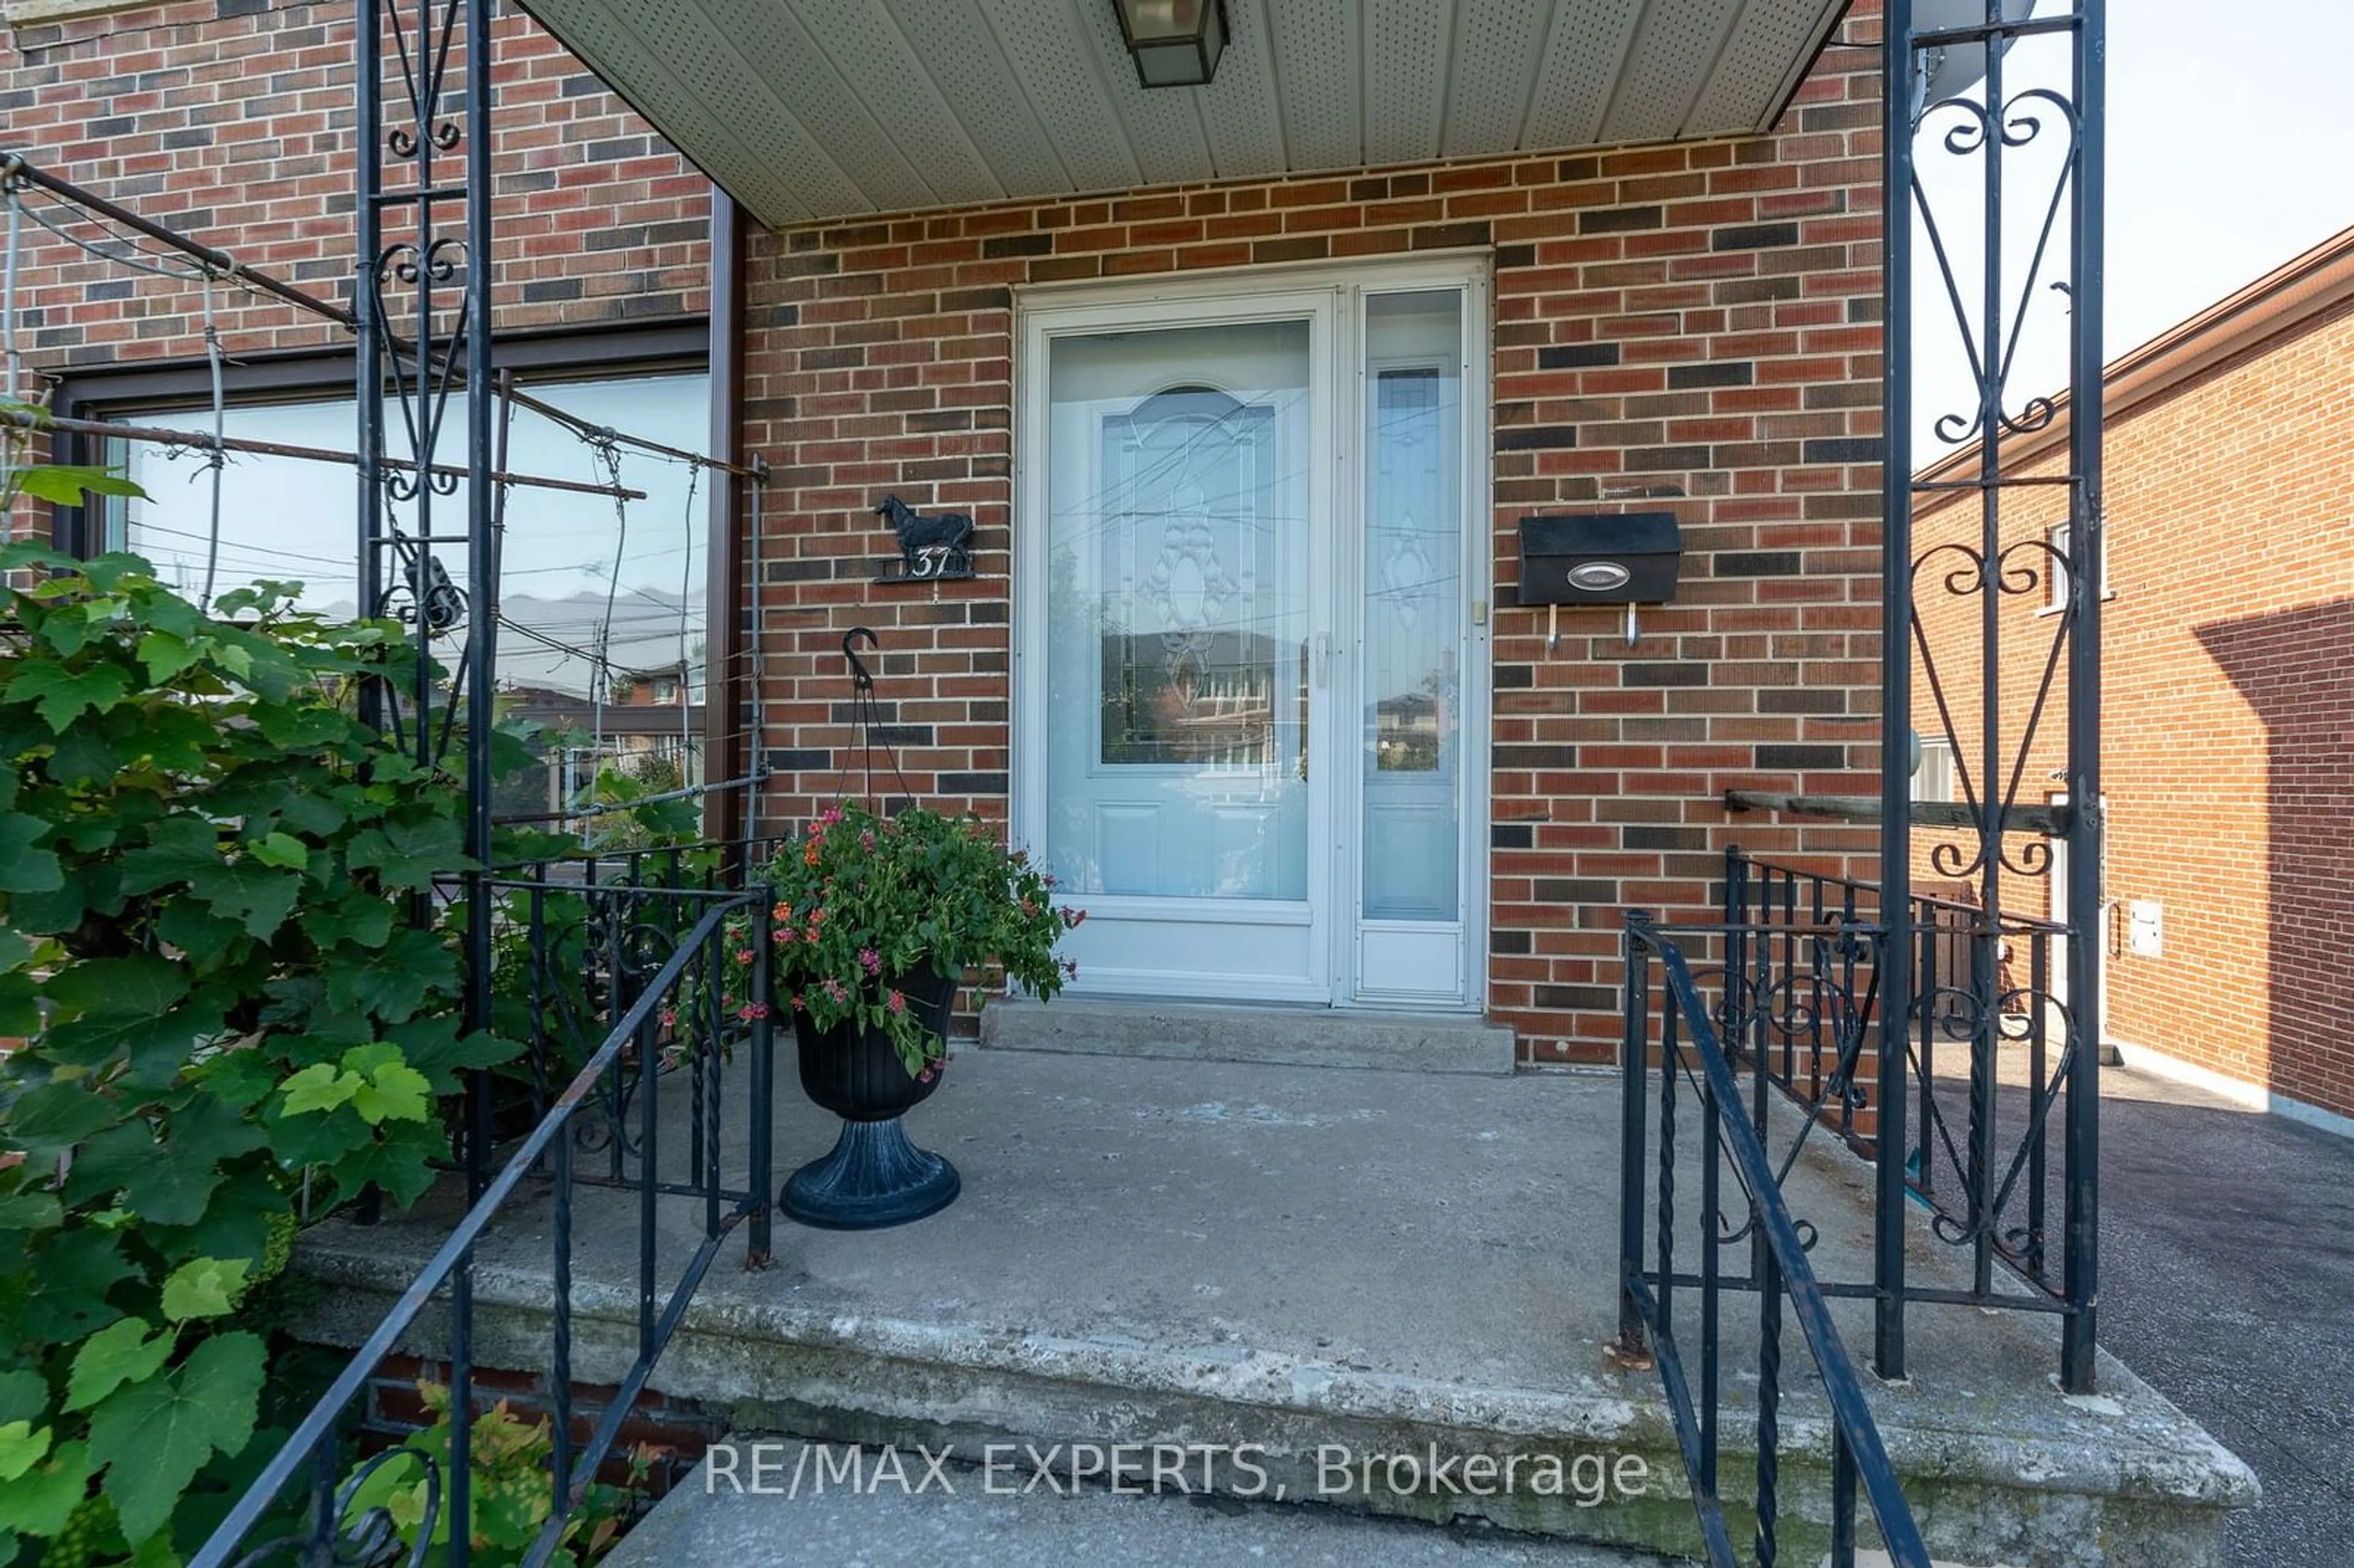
x=799, y=1004
x=870, y=960
x=752, y=1009
x=898, y=1001
x=830, y=816
x=1072, y=917
x=1048, y=879
x=670, y=1018
x=782, y=914
x=785, y=934
x=744, y=955
x=866, y=840
x=1071, y=968
x=833, y=989
x=928, y=1074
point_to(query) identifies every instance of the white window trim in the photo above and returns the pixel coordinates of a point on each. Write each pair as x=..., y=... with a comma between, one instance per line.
x=2056, y=535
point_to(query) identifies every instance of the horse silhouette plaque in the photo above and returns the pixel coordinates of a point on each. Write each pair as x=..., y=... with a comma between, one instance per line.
x=932, y=549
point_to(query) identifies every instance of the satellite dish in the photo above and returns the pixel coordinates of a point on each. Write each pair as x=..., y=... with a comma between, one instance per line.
x=1953, y=69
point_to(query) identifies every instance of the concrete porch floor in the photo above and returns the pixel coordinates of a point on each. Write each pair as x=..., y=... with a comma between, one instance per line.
x=1295, y=1256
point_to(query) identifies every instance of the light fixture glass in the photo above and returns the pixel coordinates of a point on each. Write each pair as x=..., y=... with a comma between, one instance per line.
x=1175, y=43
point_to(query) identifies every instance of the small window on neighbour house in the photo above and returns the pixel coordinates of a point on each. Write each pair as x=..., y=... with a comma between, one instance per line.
x=1934, y=779
x=2055, y=575
x=587, y=594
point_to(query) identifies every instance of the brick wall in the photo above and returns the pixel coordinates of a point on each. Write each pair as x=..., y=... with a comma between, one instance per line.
x=1688, y=326
x=2225, y=736
x=670, y=1434
x=1693, y=327
x=233, y=121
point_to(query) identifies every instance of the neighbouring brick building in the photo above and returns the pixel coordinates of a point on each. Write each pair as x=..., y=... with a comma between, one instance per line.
x=1246, y=388
x=2227, y=617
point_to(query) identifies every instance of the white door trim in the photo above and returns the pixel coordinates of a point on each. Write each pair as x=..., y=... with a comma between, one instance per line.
x=1332, y=297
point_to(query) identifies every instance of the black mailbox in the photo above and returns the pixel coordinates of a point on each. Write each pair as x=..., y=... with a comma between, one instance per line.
x=1619, y=558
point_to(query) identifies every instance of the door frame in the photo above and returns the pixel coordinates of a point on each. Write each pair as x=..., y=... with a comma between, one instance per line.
x=1337, y=294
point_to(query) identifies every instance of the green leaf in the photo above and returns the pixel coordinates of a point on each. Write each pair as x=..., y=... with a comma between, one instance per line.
x=254, y=896
x=282, y=849
x=153, y=1437
x=30, y=1211
x=204, y=1287
x=396, y=1092
x=83, y=756
x=63, y=483
x=141, y=984
x=24, y=1395
x=24, y=868
x=166, y=1179
x=20, y=1004
x=165, y=654
x=60, y=693
x=361, y=918
x=410, y=854
x=121, y=1353
x=189, y=923
x=64, y=1298
x=21, y=1447
x=397, y=981
x=40, y=1501
x=20, y=554
x=178, y=849
x=55, y=1116
x=150, y=1042
x=320, y=1087
x=433, y=1047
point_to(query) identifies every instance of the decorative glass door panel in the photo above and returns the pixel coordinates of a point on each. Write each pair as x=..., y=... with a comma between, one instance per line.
x=1178, y=632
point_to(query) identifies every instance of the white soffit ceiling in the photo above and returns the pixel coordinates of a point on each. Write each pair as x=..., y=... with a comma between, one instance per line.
x=819, y=109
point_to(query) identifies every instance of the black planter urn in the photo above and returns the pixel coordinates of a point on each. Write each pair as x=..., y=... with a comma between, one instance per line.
x=875, y=1177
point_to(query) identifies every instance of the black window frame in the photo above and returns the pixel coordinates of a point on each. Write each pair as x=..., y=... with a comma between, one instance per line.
x=107, y=392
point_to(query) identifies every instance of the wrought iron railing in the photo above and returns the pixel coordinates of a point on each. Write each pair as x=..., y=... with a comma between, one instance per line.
x=649, y=992
x=1992, y=1046
x=1676, y=1046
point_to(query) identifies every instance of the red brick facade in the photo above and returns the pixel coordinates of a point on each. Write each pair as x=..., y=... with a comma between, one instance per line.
x=2226, y=682
x=1690, y=326
x=232, y=121
x=1693, y=326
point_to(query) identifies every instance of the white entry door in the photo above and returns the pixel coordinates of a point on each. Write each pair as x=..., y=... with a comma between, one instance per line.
x=1242, y=626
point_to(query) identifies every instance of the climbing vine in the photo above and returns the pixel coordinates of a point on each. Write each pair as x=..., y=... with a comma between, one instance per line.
x=210, y=872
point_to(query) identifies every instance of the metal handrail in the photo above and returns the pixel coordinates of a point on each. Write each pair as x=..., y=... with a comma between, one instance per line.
x=1859, y=1459
x=313, y=1441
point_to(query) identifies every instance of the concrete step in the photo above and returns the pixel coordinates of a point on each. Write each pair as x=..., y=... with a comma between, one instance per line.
x=972, y=1517
x=1291, y=1036
x=1305, y=1262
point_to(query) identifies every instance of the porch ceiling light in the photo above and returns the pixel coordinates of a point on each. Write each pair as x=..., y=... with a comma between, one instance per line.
x=1176, y=43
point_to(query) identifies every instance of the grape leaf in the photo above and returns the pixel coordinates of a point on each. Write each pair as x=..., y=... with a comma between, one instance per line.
x=61, y=694
x=121, y=1353
x=153, y=1437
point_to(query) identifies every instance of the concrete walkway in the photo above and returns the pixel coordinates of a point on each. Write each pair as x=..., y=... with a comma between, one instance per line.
x=2227, y=1276
x=1298, y=1257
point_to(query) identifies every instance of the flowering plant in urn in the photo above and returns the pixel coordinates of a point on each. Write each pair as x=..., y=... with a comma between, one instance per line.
x=876, y=915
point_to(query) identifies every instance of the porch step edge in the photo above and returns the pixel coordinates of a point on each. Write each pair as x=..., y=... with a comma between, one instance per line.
x=2134, y=1482
x=987, y=1519
x=1224, y=1031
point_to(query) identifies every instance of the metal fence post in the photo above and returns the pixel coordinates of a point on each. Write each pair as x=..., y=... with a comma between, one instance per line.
x=1896, y=681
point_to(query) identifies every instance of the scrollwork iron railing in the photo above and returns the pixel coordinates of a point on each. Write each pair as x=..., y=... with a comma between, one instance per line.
x=1675, y=1044
x=654, y=994
x=1989, y=1147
